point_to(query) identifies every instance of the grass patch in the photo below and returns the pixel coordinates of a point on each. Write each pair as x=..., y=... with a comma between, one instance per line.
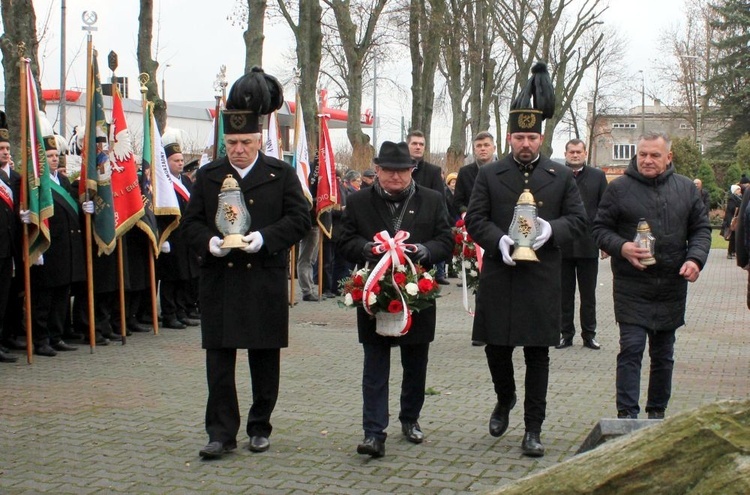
x=718, y=242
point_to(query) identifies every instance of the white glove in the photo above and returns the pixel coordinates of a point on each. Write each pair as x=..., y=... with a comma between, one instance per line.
x=165, y=248
x=255, y=242
x=505, y=243
x=39, y=261
x=25, y=216
x=214, y=247
x=88, y=207
x=544, y=233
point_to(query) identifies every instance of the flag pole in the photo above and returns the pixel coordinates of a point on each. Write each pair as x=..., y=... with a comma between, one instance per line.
x=143, y=78
x=293, y=273
x=121, y=281
x=320, y=265
x=25, y=200
x=89, y=20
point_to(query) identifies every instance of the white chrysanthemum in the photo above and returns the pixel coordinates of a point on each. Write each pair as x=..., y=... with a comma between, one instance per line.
x=467, y=264
x=372, y=299
x=348, y=300
x=427, y=275
x=401, y=268
x=362, y=272
x=412, y=289
x=473, y=273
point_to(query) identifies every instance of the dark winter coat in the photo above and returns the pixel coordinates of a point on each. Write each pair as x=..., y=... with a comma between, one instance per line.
x=180, y=263
x=591, y=184
x=428, y=175
x=464, y=185
x=64, y=260
x=244, y=297
x=520, y=305
x=653, y=298
x=427, y=222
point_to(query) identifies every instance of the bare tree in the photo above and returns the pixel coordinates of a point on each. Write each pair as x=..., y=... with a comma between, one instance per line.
x=19, y=25
x=147, y=64
x=356, y=41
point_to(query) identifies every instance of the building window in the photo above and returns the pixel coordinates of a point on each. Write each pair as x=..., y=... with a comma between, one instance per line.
x=624, y=151
x=620, y=125
x=686, y=126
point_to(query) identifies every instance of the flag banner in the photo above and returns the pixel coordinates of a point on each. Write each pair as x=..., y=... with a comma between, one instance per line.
x=220, y=140
x=156, y=185
x=301, y=155
x=273, y=141
x=39, y=192
x=126, y=189
x=328, y=187
x=95, y=181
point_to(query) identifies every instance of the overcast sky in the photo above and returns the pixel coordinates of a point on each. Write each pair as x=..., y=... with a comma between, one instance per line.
x=195, y=39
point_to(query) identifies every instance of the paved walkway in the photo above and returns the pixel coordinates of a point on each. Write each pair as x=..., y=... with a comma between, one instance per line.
x=129, y=419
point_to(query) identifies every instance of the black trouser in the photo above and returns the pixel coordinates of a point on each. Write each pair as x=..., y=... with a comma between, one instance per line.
x=585, y=270
x=14, y=325
x=222, y=408
x=377, y=369
x=49, y=307
x=500, y=362
x=173, y=295
x=6, y=274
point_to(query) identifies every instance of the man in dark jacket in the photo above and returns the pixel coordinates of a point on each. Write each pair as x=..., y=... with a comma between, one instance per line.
x=395, y=202
x=484, y=152
x=581, y=256
x=518, y=303
x=244, y=291
x=9, y=235
x=650, y=300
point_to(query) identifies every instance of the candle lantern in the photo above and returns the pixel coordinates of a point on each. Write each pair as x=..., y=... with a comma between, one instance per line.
x=644, y=239
x=524, y=228
x=232, y=218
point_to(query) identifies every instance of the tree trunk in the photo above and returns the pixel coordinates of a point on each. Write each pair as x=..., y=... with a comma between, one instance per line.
x=147, y=64
x=425, y=33
x=253, y=36
x=19, y=24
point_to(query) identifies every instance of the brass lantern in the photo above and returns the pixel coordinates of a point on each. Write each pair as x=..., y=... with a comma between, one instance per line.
x=644, y=239
x=523, y=229
x=232, y=218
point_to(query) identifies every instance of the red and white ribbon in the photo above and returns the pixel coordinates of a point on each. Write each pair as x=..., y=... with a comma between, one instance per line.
x=394, y=251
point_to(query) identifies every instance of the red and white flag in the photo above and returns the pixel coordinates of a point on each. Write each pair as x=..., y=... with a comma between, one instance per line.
x=273, y=146
x=301, y=155
x=328, y=187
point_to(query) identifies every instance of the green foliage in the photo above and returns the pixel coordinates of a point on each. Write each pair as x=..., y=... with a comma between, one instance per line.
x=686, y=156
x=742, y=151
x=732, y=176
x=707, y=176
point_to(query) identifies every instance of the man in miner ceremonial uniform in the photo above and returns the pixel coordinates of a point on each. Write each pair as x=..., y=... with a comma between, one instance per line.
x=518, y=302
x=244, y=291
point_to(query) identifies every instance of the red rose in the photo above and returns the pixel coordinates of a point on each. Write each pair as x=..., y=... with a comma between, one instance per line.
x=395, y=307
x=458, y=238
x=426, y=285
x=375, y=288
x=468, y=252
x=357, y=295
x=357, y=281
x=399, y=278
x=460, y=222
x=468, y=238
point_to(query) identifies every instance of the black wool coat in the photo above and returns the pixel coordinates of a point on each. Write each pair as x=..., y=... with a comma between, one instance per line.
x=464, y=185
x=244, y=297
x=520, y=305
x=64, y=260
x=591, y=184
x=180, y=263
x=653, y=298
x=428, y=175
x=426, y=220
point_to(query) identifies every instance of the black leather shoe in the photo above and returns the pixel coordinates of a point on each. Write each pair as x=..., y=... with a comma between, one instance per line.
x=564, y=343
x=140, y=328
x=412, y=432
x=189, y=322
x=532, y=445
x=194, y=314
x=14, y=344
x=372, y=447
x=501, y=418
x=214, y=450
x=443, y=281
x=63, y=347
x=591, y=344
x=7, y=358
x=626, y=415
x=310, y=297
x=656, y=414
x=478, y=343
x=258, y=443
x=45, y=350
x=174, y=323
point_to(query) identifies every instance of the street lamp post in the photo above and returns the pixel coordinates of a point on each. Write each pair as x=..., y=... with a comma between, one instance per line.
x=643, y=102
x=163, y=86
